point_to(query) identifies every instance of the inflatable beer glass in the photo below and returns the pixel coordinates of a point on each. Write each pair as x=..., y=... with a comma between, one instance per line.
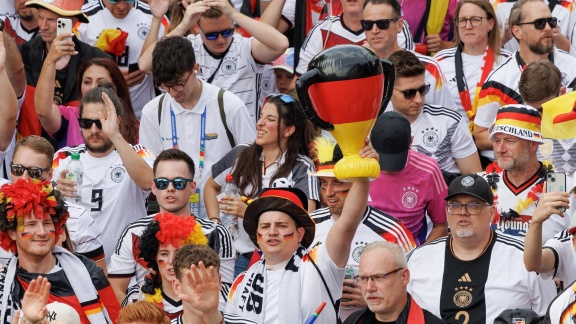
x=345, y=89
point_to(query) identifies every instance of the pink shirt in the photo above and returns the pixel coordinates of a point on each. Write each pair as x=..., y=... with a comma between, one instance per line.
x=73, y=135
x=411, y=193
x=413, y=11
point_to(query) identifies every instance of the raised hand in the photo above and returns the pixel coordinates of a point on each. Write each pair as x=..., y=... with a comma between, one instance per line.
x=35, y=299
x=61, y=46
x=159, y=8
x=204, y=287
x=110, y=121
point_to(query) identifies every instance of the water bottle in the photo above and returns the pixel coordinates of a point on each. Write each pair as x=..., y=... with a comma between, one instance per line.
x=348, y=274
x=230, y=221
x=76, y=174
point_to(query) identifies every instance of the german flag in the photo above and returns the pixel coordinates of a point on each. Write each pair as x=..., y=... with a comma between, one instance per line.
x=519, y=120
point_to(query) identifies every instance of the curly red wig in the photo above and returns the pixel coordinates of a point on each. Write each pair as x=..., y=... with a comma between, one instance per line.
x=29, y=197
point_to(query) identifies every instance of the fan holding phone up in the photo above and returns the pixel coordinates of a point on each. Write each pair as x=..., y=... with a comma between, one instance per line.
x=63, y=26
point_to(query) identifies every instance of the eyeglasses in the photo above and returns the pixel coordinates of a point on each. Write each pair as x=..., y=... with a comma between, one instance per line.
x=471, y=208
x=176, y=86
x=33, y=172
x=127, y=1
x=213, y=35
x=376, y=278
x=382, y=24
x=178, y=183
x=474, y=21
x=540, y=24
x=287, y=99
x=87, y=123
x=411, y=93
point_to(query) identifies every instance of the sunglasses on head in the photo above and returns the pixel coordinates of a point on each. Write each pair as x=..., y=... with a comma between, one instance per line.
x=87, y=123
x=411, y=93
x=178, y=183
x=382, y=24
x=540, y=24
x=127, y=1
x=214, y=35
x=33, y=172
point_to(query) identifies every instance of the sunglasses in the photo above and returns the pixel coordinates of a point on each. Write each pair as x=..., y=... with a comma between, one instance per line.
x=382, y=24
x=178, y=183
x=33, y=172
x=540, y=24
x=87, y=123
x=411, y=93
x=214, y=35
x=127, y=1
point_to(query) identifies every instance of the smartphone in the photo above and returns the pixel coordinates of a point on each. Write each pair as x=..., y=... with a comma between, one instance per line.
x=556, y=182
x=63, y=26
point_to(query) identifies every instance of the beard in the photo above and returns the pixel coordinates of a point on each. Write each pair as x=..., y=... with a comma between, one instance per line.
x=464, y=233
x=100, y=148
x=540, y=48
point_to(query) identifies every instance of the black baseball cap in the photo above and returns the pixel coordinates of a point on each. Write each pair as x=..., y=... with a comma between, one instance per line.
x=391, y=138
x=473, y=185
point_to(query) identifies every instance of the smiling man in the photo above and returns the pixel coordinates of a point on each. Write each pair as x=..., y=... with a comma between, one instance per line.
x=476, y=273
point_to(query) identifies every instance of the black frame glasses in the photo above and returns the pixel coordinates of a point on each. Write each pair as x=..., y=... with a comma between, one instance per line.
x=214, y=35
x=540, y=24
x=475, y=21
x=178, y=183
x=376, y=278
x=86, y=123
x=176, y=86
x=33, y=172
x=382, y=24
x=411, y=93
x=471, y=208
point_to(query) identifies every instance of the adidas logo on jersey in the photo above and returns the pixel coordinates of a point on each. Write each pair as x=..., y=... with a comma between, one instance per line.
x=465, y=278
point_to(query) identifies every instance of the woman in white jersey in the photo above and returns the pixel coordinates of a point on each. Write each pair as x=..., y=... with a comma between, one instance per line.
x=280, y=151
x=477, y=53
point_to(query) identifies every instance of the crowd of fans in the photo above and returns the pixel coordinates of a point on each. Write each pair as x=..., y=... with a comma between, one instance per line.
x=163, y=100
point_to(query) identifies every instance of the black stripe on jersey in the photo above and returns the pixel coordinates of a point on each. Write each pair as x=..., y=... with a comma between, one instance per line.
x=408, y=42
x=313, y=193
x=225, y=239
x=132, y=292
x=556, y=259
x=142, y=222
x=92, y=8
x=335, y=19
x=503, y=89
x=444, y=54
x=321, y=215
x=94, y=255
x=441, y=111
x=436, y=241
x=509, y=240
x=563, y=236
x=570, y=286
x=463, y=284
x=144, y=7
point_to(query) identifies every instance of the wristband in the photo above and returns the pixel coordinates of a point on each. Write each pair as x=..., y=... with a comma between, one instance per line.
x=216, y=220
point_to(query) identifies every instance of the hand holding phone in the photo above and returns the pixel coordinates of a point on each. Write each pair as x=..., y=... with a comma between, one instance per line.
x=556, y=182
x=63, y=26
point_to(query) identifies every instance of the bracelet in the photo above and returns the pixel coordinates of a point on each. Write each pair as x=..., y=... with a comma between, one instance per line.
x=216, y=220
x=246, y=200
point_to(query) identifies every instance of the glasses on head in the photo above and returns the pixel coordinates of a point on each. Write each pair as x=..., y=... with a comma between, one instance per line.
x=411, y=93
x=540, y=24
x=382, y=24
x=213, y=35
x=33, y=172
x=177, y=183
x=127, y=1
x=474, y=21
x=471, y=208
x=87, y=123
x=176, y=86
x=287, y=99
x=376, y=278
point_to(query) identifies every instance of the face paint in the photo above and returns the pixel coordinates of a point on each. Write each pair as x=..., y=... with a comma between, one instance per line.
x=52, y=233
x=289, y=237
x=161, y=263
x=26, y=235
x=258, y=236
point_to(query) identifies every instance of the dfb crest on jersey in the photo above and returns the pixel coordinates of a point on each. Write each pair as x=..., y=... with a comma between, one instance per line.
x=410, y=197
x=229, y=67
x=118, y=174
x=430, y=137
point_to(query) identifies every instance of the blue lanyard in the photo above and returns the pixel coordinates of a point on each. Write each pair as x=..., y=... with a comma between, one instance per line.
x=202, y=137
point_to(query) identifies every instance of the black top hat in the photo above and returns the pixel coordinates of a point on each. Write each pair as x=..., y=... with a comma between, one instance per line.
x=291, y=201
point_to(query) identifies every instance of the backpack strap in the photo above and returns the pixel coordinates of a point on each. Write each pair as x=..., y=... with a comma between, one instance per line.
x=223, y=117
x=160, y=107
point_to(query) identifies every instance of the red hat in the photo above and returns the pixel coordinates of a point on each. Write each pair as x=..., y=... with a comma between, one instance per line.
x=65, y=8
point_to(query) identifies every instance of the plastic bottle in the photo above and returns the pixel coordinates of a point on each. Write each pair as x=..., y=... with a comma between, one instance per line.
x=348, y=274
x=76, y=174
x=230, y=221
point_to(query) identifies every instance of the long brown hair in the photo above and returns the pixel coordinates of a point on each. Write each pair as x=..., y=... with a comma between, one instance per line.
x=129, y=124
x=248, y=168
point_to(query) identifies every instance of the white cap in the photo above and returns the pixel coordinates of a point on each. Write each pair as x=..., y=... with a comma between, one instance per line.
x=62, y=314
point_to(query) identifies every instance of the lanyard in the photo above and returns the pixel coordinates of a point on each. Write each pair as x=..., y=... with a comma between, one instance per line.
x=463, y=90
x=202, y=137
